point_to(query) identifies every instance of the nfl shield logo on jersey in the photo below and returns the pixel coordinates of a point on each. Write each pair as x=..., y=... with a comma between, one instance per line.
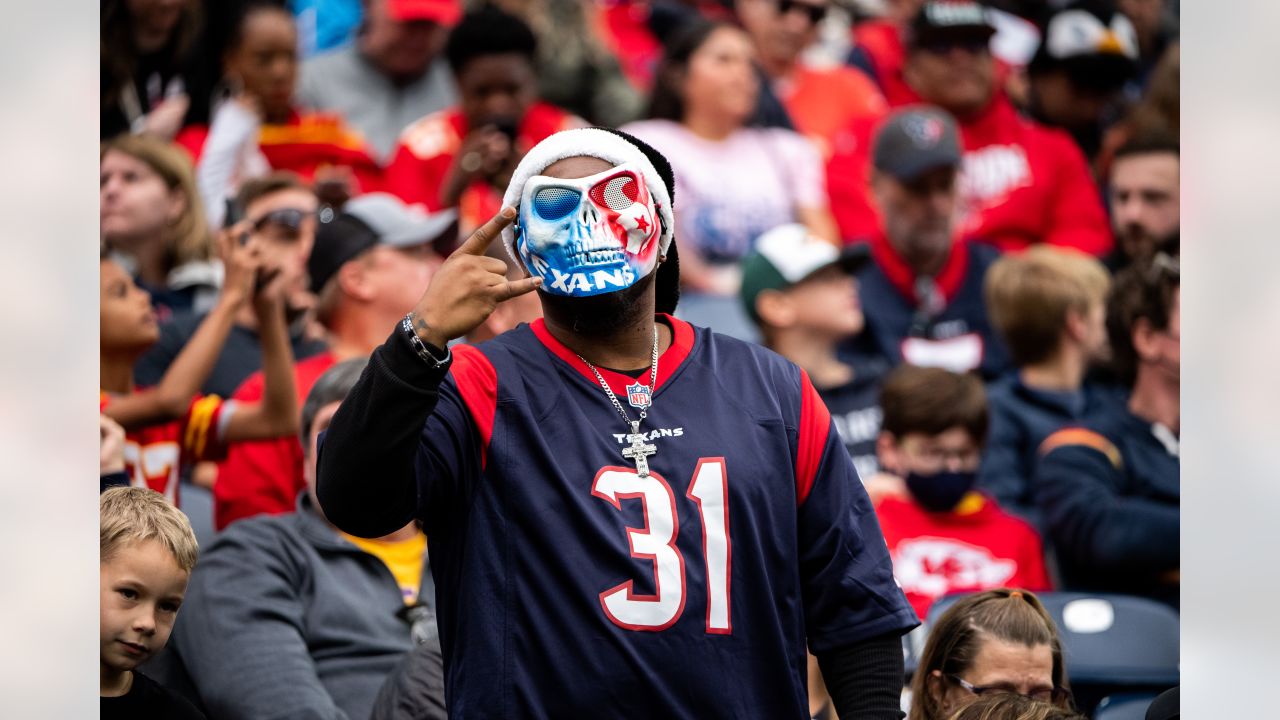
x=638, y=396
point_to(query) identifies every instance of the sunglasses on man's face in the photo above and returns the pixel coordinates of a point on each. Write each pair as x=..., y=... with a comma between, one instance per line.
x=289, y=220
x=972, y=46
x=815, y=13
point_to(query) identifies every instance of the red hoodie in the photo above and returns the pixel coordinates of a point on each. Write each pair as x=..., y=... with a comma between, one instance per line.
x=1022, y=184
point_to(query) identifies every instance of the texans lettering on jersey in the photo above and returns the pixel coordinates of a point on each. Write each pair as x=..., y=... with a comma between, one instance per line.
x=154, y=456
x=568, y=582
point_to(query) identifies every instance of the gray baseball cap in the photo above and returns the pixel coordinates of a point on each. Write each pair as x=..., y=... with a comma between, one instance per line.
x=366, y=221
x=913, y=141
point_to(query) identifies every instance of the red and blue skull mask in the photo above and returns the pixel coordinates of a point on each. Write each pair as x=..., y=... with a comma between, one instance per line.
x=591, y=235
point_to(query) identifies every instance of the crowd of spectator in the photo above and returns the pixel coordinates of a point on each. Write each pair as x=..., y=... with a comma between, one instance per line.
x=960, y=219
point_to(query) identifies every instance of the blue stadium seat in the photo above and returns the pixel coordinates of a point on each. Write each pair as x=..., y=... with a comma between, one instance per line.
x=1128, y=706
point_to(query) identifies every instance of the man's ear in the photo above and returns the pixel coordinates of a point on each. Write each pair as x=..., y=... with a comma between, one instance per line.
x=775, y=309
x=1075, y=325
x=354, y=281
x=887, y=453
x=1144, y=340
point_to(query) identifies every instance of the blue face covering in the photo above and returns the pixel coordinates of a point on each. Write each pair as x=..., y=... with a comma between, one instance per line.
x=940, y=491
x=588, y=236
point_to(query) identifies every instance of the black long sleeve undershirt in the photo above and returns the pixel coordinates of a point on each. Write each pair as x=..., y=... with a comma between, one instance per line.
x=865, y=679
x=365, y=469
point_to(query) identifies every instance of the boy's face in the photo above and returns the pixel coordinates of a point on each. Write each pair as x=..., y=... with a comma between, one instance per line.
x=953, y=450
x=127, y=321
x=142, y=588
x=827, y=302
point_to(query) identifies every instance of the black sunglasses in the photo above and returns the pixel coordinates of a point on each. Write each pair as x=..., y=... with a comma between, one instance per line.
x=814, y=12
x=944, y=46
x=290, y=219
x=1057, y=696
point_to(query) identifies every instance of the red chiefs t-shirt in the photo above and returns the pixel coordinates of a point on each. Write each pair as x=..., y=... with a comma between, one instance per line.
x=304, y=144
x=427, y=148
x=975, y=547
x=264, y=476
x=154, y=456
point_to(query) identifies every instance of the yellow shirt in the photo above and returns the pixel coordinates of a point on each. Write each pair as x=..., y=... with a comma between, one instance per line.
x=403, y=558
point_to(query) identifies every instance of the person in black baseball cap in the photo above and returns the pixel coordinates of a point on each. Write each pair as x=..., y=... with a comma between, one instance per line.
x=1088, y=52
x=949, y=60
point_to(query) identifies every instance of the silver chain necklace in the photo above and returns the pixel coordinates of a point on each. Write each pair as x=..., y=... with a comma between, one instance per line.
x=639, y=451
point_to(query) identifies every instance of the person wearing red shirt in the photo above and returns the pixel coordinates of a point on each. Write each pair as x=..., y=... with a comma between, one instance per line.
x=169, y=424
x=463, y=157
x=944, y=536
x=370, y=264
x=1022, y=183
x=259, y=129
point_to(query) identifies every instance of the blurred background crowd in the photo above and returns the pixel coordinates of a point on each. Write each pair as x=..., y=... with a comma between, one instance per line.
x=960, y=218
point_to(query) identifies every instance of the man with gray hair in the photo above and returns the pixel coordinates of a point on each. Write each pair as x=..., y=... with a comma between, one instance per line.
x=287, y=611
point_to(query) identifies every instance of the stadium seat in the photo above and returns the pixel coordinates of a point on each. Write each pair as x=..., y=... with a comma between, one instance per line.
x=1128, y=706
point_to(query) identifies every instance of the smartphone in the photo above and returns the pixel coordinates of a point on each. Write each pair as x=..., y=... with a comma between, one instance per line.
x=232, y=215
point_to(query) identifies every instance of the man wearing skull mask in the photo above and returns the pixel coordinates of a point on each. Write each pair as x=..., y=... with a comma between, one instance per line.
x=725, y=475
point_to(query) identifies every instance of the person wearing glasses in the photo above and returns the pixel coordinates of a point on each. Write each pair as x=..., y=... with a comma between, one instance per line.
x=1011, y=706
x=1109, y=489
x=995, y=642
x=281, y=211
x=1023, y=183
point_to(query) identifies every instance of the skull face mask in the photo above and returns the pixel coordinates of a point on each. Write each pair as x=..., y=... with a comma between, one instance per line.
x=588, y=236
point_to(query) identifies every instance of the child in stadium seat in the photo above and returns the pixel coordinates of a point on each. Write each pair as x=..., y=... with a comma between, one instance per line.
x=260, y=129
x=170, y=424
x=1049, y=305
x=147, y=551
x=801, y=294
x=944, y=536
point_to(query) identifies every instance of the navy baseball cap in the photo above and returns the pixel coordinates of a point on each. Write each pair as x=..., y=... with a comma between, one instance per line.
x=913, y=141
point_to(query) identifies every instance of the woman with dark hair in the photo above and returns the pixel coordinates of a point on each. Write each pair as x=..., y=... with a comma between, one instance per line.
x=997, y=641
x=735, y=181
x=151, y=76
x=152, y=221
x=258, y=129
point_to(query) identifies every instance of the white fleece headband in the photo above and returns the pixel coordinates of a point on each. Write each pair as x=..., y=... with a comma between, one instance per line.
x=596, y=143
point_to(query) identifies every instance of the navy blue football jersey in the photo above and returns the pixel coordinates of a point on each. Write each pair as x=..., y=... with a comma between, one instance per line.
x=569, y=585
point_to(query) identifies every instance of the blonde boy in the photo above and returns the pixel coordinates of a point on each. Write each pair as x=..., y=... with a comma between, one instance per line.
x=1049, y=306
x=147, y=551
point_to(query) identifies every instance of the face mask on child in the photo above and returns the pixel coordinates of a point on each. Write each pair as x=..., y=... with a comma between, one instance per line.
x=940, y=491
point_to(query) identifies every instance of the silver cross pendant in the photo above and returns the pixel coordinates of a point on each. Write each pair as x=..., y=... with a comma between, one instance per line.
x=639, y=451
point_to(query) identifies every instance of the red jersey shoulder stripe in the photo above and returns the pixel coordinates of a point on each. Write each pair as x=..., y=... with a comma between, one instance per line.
x=815, y=425
x=477, y=382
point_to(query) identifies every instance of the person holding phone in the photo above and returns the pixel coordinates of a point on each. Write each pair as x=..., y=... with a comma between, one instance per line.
x=463, y=156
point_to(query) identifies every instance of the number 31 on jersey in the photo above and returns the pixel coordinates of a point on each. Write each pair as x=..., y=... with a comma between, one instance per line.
x=656, y=542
